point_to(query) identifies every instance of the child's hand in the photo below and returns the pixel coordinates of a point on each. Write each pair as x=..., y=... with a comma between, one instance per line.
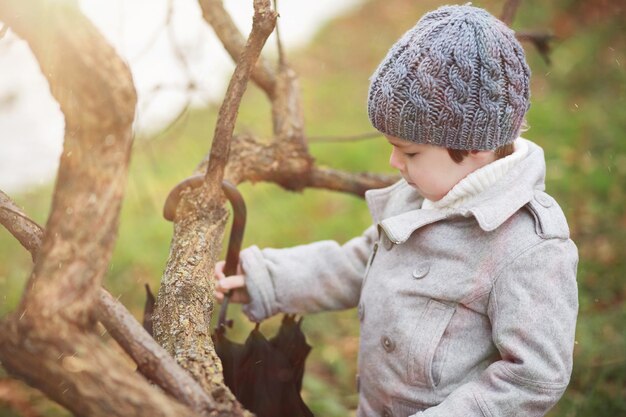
x=237, y=283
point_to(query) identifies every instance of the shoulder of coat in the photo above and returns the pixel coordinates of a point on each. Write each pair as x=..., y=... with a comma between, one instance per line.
x=550, y=222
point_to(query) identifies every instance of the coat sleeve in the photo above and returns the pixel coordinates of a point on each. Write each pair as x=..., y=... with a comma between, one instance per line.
x=306, y=279
x=533, y=307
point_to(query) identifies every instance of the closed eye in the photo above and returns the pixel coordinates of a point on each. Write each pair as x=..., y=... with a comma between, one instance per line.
x=411, y=154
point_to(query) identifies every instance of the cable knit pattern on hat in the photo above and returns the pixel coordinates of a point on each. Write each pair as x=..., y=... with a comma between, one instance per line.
x=458, y=79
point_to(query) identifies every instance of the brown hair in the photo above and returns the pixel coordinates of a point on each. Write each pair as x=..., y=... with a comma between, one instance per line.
x=458, y=155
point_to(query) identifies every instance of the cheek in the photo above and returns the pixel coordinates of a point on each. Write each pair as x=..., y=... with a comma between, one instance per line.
x=426, y=179
x=434, y=179
x=438, y=186
x=424, y=172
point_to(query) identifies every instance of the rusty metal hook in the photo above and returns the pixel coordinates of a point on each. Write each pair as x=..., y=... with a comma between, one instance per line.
x=236, y=231
x=234, y=244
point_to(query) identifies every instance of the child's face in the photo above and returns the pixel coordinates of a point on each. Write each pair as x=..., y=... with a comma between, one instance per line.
x=429, y=169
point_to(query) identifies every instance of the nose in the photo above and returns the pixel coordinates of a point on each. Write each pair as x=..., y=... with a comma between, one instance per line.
x=395, y=159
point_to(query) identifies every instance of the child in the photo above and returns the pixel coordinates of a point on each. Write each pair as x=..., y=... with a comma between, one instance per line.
x=466, y=282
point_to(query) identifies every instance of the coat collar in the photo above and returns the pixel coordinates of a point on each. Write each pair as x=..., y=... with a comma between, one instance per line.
x=397, y=208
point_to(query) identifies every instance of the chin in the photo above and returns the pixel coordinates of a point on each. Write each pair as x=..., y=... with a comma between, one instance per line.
x=433, y=198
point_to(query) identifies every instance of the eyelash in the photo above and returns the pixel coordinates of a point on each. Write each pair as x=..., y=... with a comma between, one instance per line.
x=411, y=155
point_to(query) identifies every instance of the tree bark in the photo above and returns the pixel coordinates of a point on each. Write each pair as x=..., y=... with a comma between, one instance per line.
x=234, y=42
x=185, y=302
x=26, y=231
x=152, y=360
x=286, y=164
x=50, y=342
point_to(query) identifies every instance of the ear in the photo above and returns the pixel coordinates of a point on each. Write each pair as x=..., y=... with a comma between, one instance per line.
x=481, y=158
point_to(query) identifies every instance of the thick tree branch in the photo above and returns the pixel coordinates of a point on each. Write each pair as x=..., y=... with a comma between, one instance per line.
x=49, y=342
x=285, y=164
x=152, y=360
x=287, y=112
x=263, y=24
x=78, y=371
x=185, y=302
x=286, y=160
x=93, y=165
x=353, y=183
x=214, y=13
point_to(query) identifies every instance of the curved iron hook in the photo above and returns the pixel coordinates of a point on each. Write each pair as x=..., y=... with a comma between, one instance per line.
x=234, y=245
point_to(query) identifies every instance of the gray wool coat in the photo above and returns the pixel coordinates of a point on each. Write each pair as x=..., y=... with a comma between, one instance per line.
x=464, y=312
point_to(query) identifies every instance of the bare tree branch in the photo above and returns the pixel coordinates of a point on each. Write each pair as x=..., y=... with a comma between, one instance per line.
x=25, y=230
x=279, y=43
x=286, y=161
x=93, y=163
x=214, y=13
x=283, y=163
x=509, y=10
x=353, y=183
x=152, y=360
x=263, y=24
x=50, y=340
x=185, y=300
x=78, y=371
x=541, y=41
x=287, y=112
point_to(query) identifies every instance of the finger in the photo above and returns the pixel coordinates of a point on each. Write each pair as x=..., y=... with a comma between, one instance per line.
x=219, y=270
x=227, y=284
x=219, y=297
x=231, y=283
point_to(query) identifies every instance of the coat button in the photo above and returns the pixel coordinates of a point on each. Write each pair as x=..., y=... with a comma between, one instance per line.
x=387, y=412
x=361, y=311
x=388, y=344
x=543, y=199
x=421, y=271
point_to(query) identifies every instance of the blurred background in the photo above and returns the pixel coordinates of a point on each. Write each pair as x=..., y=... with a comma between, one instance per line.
x=577, y=116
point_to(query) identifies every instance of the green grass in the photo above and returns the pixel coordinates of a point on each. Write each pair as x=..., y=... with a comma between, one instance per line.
x=577, y=116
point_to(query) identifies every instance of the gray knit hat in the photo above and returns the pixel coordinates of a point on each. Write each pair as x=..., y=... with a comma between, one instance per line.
x=458, y=79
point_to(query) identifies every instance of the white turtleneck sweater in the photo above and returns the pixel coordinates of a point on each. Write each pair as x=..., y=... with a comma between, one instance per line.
x=479, y=180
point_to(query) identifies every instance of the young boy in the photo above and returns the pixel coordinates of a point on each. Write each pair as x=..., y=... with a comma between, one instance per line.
x=466, y=282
